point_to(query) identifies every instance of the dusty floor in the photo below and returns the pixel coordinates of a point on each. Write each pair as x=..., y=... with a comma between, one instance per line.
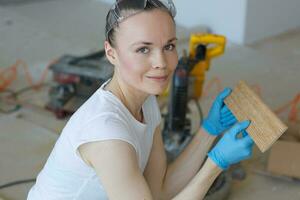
x=39, y=32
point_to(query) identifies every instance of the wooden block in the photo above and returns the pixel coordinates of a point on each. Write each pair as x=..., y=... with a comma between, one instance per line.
x=265, y=127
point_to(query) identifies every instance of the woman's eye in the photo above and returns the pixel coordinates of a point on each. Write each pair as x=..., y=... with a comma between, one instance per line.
x=143, y=50
x=170, y=47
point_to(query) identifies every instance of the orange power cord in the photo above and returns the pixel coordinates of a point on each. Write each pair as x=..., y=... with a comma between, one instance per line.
x=9, y=74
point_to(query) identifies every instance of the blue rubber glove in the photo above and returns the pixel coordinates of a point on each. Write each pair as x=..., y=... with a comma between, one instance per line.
x=230, y=149
x=219, y=117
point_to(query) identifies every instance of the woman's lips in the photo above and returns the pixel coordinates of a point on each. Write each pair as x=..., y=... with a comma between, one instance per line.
x=158, y=78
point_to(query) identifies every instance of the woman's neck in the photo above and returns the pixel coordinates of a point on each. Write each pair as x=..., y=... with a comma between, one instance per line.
x=129, y=96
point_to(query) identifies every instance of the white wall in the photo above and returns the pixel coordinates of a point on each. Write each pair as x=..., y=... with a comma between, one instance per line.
x=241, y=21
x=270, y=17
x=222, y=17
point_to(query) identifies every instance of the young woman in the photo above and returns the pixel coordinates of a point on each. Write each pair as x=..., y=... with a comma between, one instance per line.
x=112, y=147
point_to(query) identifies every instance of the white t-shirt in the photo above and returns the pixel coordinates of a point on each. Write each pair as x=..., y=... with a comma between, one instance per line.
x=65, y=175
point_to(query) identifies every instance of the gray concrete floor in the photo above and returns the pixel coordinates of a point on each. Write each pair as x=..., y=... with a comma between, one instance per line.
x=40, y=31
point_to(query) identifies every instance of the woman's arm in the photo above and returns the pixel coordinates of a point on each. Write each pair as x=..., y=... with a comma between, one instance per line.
x=167, y=181
x=188, y=163
x=116, y=164
x=200, y=184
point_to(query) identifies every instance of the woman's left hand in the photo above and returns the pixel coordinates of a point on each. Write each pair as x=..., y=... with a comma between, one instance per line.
x=219, y=117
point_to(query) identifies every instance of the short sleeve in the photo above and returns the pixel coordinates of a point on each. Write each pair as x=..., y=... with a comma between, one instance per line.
x=107, y=126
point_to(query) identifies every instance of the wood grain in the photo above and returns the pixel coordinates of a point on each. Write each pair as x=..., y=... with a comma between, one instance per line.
x=265, y=127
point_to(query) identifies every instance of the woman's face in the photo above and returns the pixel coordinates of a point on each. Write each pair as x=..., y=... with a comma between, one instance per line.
x=146, y=51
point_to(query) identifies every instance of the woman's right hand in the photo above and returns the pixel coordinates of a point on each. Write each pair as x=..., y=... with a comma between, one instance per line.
x=230, y=149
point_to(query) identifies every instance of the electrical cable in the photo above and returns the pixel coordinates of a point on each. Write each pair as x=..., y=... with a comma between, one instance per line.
x=9, y=74
x=33, y=87
x=10, y=184
x=16, y=106
x=16, y=94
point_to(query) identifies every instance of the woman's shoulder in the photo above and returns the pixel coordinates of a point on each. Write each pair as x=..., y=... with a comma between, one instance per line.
x=100, y=102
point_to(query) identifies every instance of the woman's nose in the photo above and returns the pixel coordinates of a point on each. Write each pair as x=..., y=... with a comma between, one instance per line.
x=159, y=61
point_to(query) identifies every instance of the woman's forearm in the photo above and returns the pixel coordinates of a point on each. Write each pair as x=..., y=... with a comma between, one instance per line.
x=199, y=185
x=188, y=163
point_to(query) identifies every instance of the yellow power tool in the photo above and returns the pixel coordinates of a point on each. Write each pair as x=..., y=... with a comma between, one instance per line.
x=189, y=75
x=203, y=47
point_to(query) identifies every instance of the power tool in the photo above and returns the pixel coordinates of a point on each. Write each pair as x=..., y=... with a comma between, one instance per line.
x=77, y=78
x=187, y=84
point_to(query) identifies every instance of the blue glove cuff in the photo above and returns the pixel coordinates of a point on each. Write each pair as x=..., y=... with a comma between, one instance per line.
x=209, y=128
x=221, y=163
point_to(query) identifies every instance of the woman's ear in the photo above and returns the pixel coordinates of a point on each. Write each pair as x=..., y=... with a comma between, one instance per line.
x=110, y=52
